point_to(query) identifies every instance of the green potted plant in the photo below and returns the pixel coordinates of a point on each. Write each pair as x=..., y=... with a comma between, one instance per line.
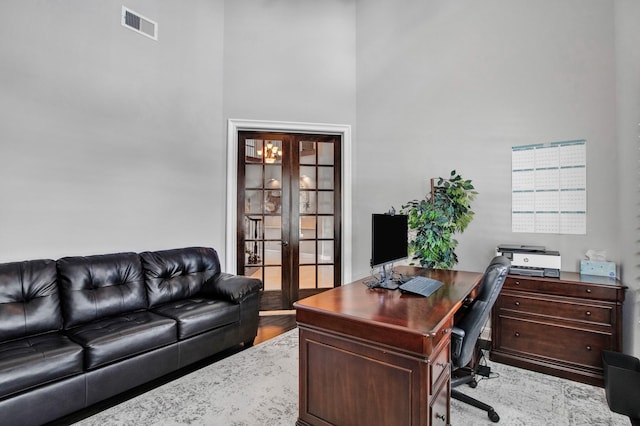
x=435, y=219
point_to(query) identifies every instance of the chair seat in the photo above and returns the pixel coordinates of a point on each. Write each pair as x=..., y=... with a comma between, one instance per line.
x=32, y=361
x=113, y=339
x=198, y=315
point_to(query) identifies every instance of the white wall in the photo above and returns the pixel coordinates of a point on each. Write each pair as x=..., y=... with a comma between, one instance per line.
x=290, y=61
x=109, y=141
x=454, y=85
x=628, y=185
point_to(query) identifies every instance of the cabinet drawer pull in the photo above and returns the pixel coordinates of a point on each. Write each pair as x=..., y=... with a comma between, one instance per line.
x=588, y=290
x=588, y=313
x=588, y=347
x=517, y=303
x=446, y=331
x=517, y=334
x=517, y=282
x=440, y=417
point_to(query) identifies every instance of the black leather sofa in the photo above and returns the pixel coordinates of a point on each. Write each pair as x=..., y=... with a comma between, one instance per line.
x=78, y=330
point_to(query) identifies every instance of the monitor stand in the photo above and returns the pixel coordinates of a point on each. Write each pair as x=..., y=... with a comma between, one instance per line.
x=386, y=279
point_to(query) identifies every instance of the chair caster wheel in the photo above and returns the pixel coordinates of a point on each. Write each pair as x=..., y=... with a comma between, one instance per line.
x=493, y=416
x=473, y=384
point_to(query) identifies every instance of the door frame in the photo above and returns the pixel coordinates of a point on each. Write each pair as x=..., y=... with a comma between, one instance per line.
x=236, y=125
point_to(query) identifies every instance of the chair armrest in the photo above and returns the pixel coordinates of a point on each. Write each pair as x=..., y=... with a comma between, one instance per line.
x=457, y=337
x=234, y=288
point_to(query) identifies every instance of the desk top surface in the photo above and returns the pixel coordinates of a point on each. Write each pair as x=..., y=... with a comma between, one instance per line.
x=391, y=309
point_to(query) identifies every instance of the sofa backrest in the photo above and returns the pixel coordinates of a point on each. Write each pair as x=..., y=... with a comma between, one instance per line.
x=95, y=287
x=29, y=302
x=178, y=273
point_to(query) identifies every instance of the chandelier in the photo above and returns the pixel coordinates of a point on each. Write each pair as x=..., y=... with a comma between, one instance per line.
x=271, y=153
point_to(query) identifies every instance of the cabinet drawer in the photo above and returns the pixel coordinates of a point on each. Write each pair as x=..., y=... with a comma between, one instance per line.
x=563, y=288
x=558, y=308
x=438, y=412
x=439, y=365
x=564, y=344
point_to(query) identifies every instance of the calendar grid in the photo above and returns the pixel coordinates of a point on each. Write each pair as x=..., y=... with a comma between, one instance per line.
x=549, y=188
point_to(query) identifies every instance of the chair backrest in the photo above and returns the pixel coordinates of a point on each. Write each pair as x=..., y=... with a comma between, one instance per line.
x=468, y=328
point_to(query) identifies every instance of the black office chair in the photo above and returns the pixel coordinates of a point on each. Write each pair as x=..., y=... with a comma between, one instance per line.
x=467, y=329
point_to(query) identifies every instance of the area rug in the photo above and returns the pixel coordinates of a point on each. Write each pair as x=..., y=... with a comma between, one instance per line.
x=259, y=386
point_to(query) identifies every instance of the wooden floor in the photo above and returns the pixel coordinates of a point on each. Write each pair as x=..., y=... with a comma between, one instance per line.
x=274, y=323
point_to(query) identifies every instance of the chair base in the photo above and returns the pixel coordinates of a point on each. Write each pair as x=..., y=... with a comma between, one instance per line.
x=471, y=381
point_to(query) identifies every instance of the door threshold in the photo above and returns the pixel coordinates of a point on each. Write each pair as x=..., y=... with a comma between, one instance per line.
x=277, y=312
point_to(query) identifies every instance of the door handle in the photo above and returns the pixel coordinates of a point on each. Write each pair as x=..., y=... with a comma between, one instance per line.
x=285, y=243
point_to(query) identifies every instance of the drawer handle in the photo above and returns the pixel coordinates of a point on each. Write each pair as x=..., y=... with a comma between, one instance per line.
x=588, y=347
x=517, y=303
x=446, y=331
x=440, y=417
x=588, y=290
x=517, y=334
x=517, y=282
x=442, y=364
x=588, y=313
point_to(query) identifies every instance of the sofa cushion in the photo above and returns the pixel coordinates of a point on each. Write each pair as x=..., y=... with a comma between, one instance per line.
x=34, y=361
x=29, y=302
x=112, y=339
x=176, y=274
x=95, y=287
x=197, y=315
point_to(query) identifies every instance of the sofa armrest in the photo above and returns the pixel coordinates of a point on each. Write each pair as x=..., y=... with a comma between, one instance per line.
x=234, y=288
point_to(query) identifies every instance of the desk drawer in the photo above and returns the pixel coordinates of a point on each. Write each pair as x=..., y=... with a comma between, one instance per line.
x=556, y=307
x=438, y=410
x=558, y=343
x=563, y=288
x=439, y=365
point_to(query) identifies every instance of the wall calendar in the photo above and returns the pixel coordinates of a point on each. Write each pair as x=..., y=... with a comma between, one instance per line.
x=549, y=188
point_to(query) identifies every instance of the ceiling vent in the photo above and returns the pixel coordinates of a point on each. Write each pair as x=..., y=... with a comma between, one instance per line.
x=138, y=23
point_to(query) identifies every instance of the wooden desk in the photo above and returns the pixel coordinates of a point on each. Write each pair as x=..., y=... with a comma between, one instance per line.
x=379, y=357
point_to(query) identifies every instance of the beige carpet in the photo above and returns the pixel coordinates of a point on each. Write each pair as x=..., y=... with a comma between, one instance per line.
x=259, y=386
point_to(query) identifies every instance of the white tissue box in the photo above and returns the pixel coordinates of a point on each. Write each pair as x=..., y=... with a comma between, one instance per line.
x=602, y=269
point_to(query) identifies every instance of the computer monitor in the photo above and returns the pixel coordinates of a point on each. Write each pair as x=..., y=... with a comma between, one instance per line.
x=389, y=243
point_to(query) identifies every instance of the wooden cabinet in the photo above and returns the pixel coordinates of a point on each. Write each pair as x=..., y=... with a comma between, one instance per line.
x=558, y=326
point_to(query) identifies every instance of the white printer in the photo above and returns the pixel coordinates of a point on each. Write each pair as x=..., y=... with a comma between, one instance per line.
x=534, y=261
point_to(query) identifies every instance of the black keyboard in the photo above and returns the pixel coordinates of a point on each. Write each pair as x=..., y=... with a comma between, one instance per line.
x=421, y=285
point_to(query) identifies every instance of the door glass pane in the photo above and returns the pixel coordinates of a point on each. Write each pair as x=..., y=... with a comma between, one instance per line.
x=253, y=151
x=253, y=176
x=253, y=253
x=272, y=277
x=325, y=153
x=325, y=227
x=272, y=227
x=325, y=202
x=307, y=177
x=272, y=176
x=308, y=276
x=272, y=152
x=325, y=177
x=307, y=152
x=253, y=201
x=272, y=202
x=272, y=253
x=325, y=276
x=307, y=227
x=326, y=251
x=307, y=252
x=307, y=202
